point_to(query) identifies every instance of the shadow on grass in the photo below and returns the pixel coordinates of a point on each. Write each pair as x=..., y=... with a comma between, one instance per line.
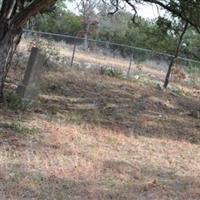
x=130, y=108
x=22, y=183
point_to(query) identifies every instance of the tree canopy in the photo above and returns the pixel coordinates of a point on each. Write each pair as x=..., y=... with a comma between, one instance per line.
x=188, y=11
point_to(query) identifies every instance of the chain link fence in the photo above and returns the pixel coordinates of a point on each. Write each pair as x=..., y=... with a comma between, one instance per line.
x=107, y=58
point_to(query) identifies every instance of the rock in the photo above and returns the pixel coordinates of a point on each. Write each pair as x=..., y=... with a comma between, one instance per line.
x=159, y=87
x=29, y=88
x=195, y=114
x=137, y=77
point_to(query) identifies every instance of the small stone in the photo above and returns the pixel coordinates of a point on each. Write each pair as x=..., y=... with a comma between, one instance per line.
x=137, y=77
x=159, y=87
x=195, y=114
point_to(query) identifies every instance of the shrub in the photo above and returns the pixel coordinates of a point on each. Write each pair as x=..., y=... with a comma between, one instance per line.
x=194, y=74
x=52, y=56
x=110, y=71
x=15, y=102
x=19, y=128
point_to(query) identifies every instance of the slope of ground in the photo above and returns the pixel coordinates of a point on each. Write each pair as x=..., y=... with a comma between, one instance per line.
x=95, y=137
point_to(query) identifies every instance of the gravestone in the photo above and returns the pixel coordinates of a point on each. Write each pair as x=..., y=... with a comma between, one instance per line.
x=28, y=90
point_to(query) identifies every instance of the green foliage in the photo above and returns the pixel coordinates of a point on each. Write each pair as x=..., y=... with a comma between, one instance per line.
x=112, y=72
x=144, y=34
x=164, y=24
x=15, y=102
x=194, y=74
x=119, y=28
x=53, y=58
x=19, y=128
x=60, y=21
x=147, y=35
x=50, y=52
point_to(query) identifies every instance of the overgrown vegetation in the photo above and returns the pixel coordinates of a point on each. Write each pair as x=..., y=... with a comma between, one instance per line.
x=194, y=71
x=52, y=55
x=14, y=102
x=99, y=137
x=120, y=29
x=112, y=72
x=18, y=128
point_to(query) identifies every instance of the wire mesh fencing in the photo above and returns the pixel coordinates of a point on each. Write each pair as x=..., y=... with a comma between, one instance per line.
x=108, y=58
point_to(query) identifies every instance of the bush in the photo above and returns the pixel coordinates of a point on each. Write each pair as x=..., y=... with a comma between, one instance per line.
x=15, y=102
x=194, y=74
x=53, y=58
x=19, y=128
x=111, y=72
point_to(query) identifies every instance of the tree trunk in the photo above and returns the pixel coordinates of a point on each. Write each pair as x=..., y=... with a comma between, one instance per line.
x=175, y=55
x=13, y=16
x=85, y=43
x=9, y=40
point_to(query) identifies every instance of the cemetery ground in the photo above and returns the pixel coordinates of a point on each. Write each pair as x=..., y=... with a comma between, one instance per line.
x=99, y=137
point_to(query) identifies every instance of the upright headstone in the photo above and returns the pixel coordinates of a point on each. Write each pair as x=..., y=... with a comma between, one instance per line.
x=28, y=90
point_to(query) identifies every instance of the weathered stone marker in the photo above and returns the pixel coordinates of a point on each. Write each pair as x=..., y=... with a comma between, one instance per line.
x=28, y=90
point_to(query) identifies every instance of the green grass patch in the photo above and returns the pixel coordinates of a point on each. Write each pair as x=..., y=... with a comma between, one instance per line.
x=14, y=102
x=19, y=128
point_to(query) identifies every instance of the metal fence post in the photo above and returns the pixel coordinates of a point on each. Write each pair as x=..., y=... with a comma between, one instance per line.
x=73, y=54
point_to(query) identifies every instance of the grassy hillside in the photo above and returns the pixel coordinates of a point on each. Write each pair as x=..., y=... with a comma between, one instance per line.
x=96, y=137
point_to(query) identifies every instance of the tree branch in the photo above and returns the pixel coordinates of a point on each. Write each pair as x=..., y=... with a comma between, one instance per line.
x=31, y=10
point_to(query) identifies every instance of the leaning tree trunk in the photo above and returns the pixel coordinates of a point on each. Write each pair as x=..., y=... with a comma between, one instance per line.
x=9, y=40
x=175, y=55
x=13, y=16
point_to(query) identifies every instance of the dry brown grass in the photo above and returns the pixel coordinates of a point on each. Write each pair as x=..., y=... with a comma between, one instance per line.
x=95, y=137
x=97, y=59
